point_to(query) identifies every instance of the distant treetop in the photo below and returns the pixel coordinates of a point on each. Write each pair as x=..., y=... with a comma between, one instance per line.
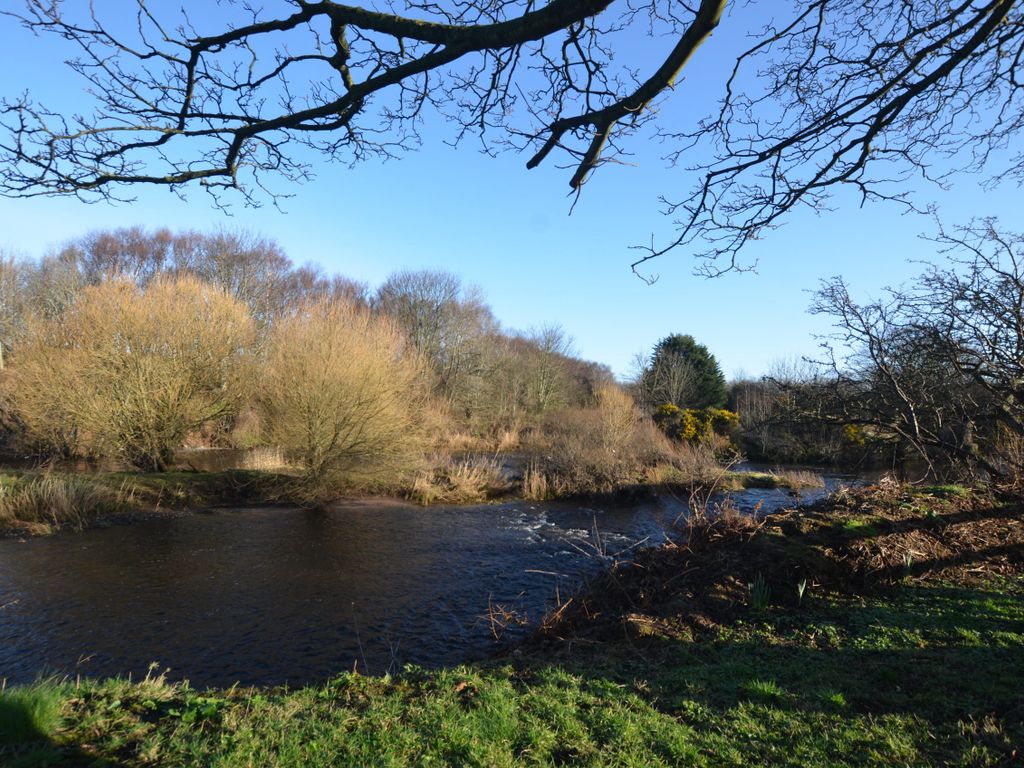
x=682, y=373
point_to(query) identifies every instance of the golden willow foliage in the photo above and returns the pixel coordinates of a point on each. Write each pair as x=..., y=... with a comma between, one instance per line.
x=129, y=372
x=342, y=394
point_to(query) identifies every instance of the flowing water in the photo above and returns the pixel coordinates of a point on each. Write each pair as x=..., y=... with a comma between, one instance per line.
x=276, y=595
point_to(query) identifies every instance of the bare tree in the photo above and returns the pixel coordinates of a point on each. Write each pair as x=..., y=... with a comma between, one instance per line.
x=546, y=368
x=446, y=322
x=830, y=93
x=755, y=402
x=53, y=284
x=939, y=365
x=976, y=309
x=668, y=379
x=249, y=267
x=14, y=273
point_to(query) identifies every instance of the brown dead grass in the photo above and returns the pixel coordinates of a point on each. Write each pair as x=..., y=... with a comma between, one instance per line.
x=470, y=480
x=854, y=541
x=894, y=532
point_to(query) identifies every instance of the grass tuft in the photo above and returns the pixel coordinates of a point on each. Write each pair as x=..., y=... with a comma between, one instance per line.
x=466, y=481
x=43, y=503
x=765, y=692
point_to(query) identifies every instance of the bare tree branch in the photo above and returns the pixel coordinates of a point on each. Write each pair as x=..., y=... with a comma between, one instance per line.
x=829, y=94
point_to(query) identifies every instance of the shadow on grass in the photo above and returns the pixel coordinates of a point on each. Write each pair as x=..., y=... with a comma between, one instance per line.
x=28, y=718
x=922, y=676
x=942, y=655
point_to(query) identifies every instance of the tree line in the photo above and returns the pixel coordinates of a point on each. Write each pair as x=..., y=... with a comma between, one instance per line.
x=129, y=342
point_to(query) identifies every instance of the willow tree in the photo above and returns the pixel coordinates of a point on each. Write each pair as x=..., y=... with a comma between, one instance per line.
x=826, y=94
x=131, y=371
x=343, y=394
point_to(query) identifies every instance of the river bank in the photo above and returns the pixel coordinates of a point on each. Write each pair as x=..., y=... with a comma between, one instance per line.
x=42, y=502
x=881, y=626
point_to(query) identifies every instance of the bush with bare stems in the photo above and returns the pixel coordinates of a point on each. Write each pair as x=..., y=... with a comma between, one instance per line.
x=129, y=372
x=593, y=450
x=343, y=395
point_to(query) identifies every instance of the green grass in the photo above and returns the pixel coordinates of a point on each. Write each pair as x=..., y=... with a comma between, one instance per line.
x=946, y=491
x=859, y=527
x=27, y=715
x=924, y=676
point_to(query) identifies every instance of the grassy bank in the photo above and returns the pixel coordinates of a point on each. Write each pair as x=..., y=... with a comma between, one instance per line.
x=34, y=503
x=705, y=653
x=42, y=502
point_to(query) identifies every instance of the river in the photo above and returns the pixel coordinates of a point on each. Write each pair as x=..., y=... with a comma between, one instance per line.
x=278, y=595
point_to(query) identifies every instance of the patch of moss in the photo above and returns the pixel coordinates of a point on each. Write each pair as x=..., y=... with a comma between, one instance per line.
x=946, y=491
x=861, y=527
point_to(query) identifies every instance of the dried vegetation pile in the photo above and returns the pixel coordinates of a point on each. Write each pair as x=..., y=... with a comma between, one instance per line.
x=854, y=541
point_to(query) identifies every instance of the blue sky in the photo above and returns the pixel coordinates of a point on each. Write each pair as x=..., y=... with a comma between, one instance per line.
x=509, y=230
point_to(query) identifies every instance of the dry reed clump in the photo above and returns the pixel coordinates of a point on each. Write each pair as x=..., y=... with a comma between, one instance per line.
x=798, y=478
x=344, y=396
x=504, y=440
x=41, y=504
x=461, y=442
x=465, y=481
x=508, y=439
x=265, y=458
x=535, y=484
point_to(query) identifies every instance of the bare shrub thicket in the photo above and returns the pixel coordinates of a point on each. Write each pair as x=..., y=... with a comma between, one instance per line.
x=493, y=383
x=129, y=372
x=528, y=379
x=783, y=419
x=593, y=450
x=343, y=395
x=935, y=368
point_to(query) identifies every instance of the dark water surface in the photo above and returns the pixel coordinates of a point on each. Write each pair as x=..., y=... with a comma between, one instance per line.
x=275, y=595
